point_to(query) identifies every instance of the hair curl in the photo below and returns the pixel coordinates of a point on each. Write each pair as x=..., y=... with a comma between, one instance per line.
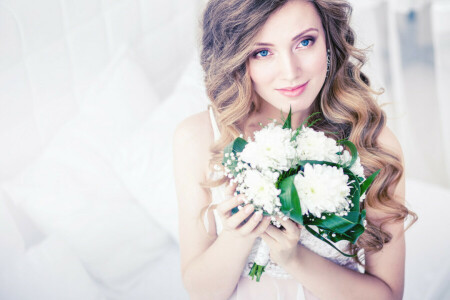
x=346, y=101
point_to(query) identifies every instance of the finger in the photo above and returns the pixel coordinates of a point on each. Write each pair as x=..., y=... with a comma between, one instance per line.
x=262, y=226
x=291, y=230
x=230, y=189
x=269, y=240
x=289, y=225
x=251, y=223
x=226, y=206
x=274, y=233
x=239, y=217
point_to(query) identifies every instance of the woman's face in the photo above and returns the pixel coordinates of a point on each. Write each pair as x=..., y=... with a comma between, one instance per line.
x=288, y=64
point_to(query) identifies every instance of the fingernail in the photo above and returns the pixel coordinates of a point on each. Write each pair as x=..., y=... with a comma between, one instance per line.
x=258, y=215
x=241, y=199
x=248, y=208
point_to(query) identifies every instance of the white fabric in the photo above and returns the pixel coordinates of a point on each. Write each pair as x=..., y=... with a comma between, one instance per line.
x=51, y=51
x=280, y=285
x=49, y=270
x=71, y=190
x=144, y=162
x=51, y=54
x=214, y=125
x=12, y=243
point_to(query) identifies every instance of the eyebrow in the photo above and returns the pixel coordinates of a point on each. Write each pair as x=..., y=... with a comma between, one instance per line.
x=293, y=39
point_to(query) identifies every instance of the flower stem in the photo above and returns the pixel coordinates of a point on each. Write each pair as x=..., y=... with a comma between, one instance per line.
x=257, y=271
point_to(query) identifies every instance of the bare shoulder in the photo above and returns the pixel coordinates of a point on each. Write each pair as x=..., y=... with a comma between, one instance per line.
x=192, y=139
x=194, y=131
x=389, y=141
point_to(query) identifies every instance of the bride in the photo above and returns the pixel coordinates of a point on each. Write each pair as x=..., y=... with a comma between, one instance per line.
x=260, y=58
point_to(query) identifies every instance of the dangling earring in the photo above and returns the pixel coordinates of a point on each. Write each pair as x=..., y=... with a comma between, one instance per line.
x=328, y=63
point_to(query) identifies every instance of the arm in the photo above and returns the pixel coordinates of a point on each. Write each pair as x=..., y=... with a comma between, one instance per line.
x=210, y=265
x=384, y=277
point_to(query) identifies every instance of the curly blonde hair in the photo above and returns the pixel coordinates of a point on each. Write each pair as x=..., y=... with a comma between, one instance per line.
x=346, y=101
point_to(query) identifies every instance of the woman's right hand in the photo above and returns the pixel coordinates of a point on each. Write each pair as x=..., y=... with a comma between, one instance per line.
x=245, y=223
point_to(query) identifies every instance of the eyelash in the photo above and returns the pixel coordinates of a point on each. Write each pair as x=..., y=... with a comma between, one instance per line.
x=255, y=54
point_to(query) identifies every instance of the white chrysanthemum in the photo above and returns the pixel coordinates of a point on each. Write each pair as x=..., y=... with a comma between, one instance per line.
x=356, y=168
x=321, y=189
x=315, y=145
x=260, y=190
x=272, y=148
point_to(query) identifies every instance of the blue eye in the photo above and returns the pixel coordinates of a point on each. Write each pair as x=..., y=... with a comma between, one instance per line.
x=305, y=43
x=263, y=53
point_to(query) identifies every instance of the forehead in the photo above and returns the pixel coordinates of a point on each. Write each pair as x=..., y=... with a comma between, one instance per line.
x=288, y=21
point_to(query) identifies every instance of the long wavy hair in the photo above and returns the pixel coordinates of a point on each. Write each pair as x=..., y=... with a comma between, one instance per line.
x=346, y=101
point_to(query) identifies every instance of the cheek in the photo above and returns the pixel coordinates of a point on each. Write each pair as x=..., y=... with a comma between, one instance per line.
x=261, y=73
x=316, y=63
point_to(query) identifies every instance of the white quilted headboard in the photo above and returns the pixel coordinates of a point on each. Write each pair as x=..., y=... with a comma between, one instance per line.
x=51, y=51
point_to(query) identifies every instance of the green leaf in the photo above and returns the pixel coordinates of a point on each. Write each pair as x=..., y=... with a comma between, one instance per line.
x=287, y=123
x=239, y=144
x=365, y=185
x=290, y=203
x=307, y=119
x=355, y=195
x=313, y=122
x=297, y=131
x=234, y=147
x=336, y=223
x=326, y=241
x=353, y=152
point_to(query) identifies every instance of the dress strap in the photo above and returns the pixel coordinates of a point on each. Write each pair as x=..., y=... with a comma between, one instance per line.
x=214, y=124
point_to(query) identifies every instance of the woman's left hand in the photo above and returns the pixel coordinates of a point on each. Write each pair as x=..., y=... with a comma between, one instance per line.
x=283, y=243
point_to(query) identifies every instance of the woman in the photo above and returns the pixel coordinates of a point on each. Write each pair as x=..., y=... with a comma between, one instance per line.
x=260, y=58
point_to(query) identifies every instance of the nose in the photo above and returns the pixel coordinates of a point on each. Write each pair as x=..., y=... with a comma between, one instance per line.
x=289, y=67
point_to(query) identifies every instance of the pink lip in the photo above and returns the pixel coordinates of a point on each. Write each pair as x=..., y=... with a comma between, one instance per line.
x=293, y=91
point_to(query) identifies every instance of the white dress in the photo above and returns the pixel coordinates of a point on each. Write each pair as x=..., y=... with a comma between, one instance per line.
x=275, y=283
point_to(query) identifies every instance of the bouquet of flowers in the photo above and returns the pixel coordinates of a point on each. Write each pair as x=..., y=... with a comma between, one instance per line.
x=303, y=175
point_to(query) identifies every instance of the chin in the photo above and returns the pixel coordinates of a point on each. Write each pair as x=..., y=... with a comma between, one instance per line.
x=297, y=106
